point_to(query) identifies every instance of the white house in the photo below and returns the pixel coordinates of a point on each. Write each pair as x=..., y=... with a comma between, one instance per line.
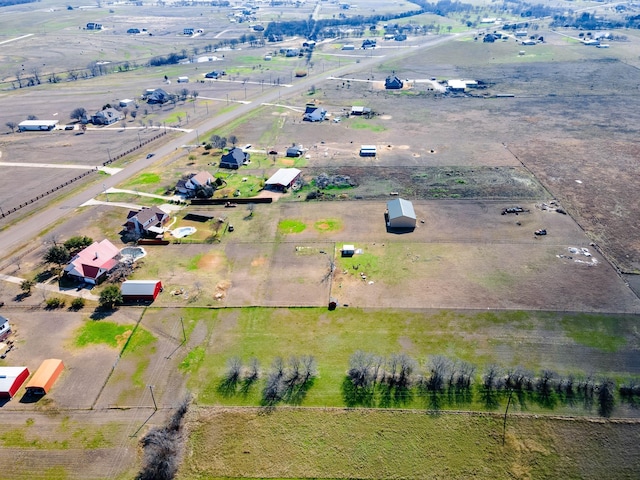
x=191, y=184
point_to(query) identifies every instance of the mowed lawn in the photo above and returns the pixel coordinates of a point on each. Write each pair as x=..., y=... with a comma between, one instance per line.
x=319, y=443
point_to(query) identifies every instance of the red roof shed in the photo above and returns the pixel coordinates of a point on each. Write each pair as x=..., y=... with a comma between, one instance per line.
x=11, y=379
x=140, y=290
x=46, y=375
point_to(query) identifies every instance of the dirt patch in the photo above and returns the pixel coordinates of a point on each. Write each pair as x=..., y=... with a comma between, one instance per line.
x=211, y=261
x=259, y=262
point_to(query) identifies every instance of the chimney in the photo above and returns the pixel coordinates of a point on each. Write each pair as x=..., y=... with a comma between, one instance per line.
x=96, y=257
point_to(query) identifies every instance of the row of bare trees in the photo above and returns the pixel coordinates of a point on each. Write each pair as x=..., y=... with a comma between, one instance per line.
x=373, y=380
x=285, y=381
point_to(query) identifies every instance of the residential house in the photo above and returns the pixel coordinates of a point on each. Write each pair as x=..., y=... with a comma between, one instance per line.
x=158, y=96
x=188, y=31
x=94, y=26
x=369, y=43
x=189, y=185
x=146, y=222
x=295, y=151
x=106, y=117
x=5, y=328
x=393, y=83
x=234, y=159
x=314, y=114
x=92, y=264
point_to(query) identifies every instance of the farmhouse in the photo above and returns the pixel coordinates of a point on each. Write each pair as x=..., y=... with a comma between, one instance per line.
x=5, y=328
x=314, y=114
x=158, y=96
x=188, y=31
x=146, y=222
x=400, y=214
x=368, y=151
x=93, y=263
x=283, y=178
x=234, y=159
x=11, y=379
x=393, y=83
x=37, y=125
x=107, y=116
x=44, y=378
x=94, y=26
x=189, y=185
x=295, y=151
x=140, y=290
x=369, y=43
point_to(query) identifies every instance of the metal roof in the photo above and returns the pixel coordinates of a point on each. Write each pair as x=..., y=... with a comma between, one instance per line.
x=284, y=176
x=400, y=208
x=139, y=287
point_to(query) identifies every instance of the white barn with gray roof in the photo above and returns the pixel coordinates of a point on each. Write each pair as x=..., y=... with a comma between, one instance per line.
x=401, y=214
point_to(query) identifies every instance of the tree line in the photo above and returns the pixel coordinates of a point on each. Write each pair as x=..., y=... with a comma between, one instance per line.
x=398, y=380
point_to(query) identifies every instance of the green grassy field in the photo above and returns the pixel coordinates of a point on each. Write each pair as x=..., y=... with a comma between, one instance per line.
x=342, y=444
x=333, y=337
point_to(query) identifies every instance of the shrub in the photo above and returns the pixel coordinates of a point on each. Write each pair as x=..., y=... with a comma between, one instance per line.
x=77, y=304
x=54, y=302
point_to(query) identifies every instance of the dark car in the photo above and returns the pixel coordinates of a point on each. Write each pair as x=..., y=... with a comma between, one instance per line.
x=69, y=127
x=150, y=155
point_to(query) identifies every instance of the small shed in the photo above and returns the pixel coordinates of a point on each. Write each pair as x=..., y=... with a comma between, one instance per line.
x=283, y=178
x=368, y=151
x=183, y=79
x=44, y=378
x=5, y=328
x=140, y=290
x=400, y=214
x=348, y=251
x=11, y=379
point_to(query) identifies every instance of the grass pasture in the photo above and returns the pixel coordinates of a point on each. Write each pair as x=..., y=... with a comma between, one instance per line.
x=534, y=341
x=296, y=444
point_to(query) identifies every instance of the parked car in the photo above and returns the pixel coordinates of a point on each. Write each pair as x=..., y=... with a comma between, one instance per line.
x=150, y=155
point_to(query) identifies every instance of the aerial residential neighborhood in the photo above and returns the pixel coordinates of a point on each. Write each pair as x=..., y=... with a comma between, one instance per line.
x=319, y=240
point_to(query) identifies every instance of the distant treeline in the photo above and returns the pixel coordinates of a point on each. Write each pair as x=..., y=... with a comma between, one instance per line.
x=7, y=3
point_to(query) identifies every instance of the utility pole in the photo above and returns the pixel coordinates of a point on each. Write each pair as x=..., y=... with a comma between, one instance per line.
x=155, y=407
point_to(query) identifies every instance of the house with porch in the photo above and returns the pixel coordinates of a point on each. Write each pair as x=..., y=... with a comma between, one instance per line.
x=147, y=222
x=106, y=117
x=189, y=185
x=314, y=114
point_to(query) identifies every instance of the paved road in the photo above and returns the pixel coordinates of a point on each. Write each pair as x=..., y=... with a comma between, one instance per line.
x=12, y=239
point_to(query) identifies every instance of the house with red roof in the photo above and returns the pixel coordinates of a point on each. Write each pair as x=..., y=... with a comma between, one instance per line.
x=93, y=263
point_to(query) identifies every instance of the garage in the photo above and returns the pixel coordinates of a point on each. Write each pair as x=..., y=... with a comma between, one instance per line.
x=11, y=379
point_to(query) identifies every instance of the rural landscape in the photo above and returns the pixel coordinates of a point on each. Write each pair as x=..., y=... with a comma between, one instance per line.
x=319, y=240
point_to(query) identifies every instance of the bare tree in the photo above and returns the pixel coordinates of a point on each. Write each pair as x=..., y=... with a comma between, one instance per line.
x=19, y=78
x=233, y=140
x=12, y=126
x=606, y=401
x=194, y=94
x=35, y=71
x=78, y=113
